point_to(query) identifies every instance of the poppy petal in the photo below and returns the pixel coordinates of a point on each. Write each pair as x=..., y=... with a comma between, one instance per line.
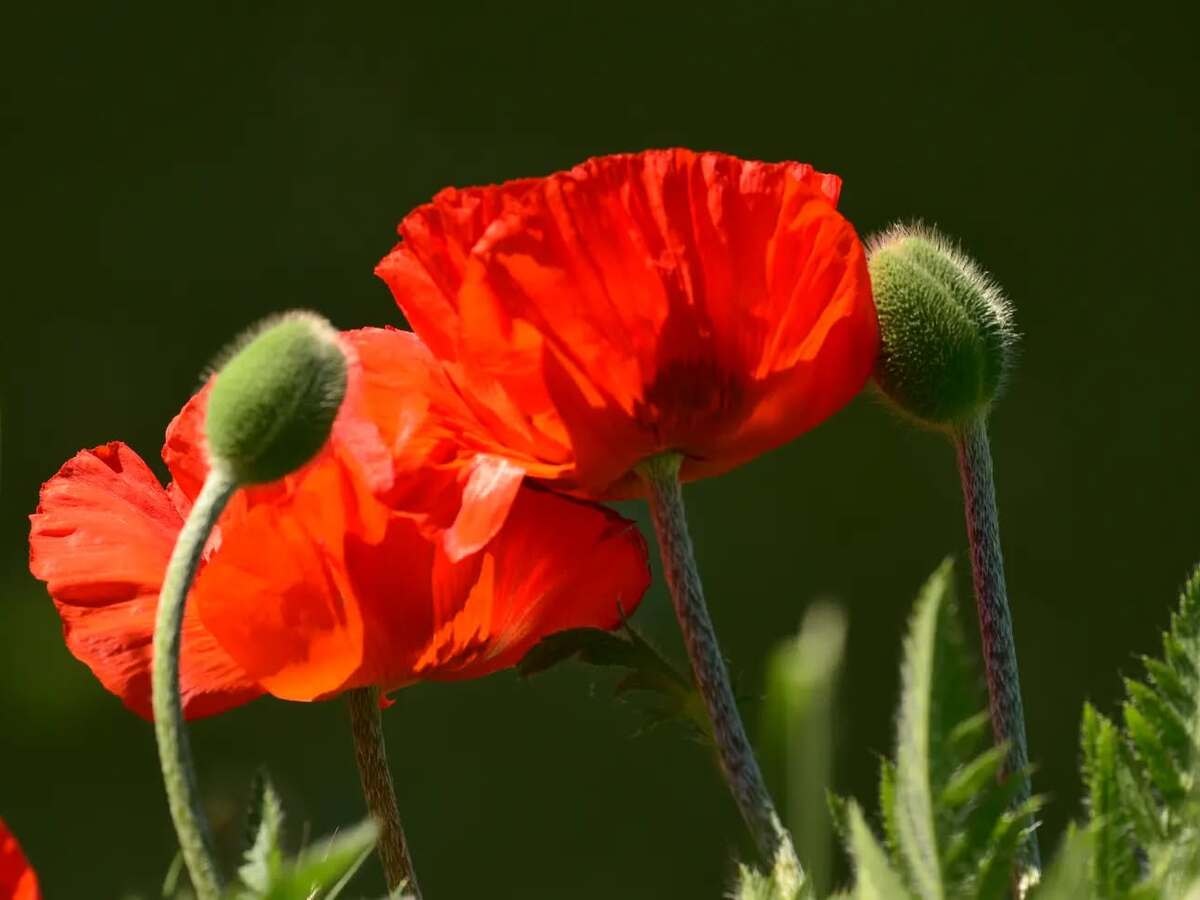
x=644, y=303
x=183, y=448
x=488, y=494
x=557, y=564
x=436, y=239
x=272, y=597
x=18, y=881
x=101, y=539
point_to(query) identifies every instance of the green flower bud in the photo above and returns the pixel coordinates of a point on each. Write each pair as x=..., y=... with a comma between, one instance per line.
x=946, y=328
x=274, y=400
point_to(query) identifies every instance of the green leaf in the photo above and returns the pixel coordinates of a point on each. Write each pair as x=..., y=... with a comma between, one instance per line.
x=887, y=806
x=970, y=734
x=1144, y=820
x=798, y=713
x=262, y=858
x=1150, y=746
x=1114, y=865
x=970, y=781
x=1143, y=779
x=970, y=832
x=1068, y=876
x=875, y=879
x=916, y=827
x=993, y=881
x=323, y=870
x=1170, y=685
x=1160, y=715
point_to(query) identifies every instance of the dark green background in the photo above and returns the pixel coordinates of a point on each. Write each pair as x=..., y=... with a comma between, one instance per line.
x=173, y=172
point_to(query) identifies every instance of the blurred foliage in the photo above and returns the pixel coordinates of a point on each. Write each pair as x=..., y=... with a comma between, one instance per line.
x=798, y=747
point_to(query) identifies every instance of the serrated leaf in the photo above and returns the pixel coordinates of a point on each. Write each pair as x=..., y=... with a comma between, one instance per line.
x=974, y=828
x=1163, y=718
x=1178, y=656
x=262, y=858
x=324, y=867
x=1152, y=752
x=1114, y=864
x=916, y=827
x=887, y=806
x=875, y=879
x=1143, y=818
x=1170, y=685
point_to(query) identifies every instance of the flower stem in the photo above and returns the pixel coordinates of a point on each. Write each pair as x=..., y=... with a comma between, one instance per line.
x=740, y=768
x=995, y=619
x=370, y=753
x=174, y=750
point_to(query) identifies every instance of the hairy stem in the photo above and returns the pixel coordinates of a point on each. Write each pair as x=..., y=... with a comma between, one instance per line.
x=174, y=750
x=995, y=619
x=740, y=768
x=370, y=753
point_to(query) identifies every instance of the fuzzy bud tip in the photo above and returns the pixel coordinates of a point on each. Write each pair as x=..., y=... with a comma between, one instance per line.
x=948, y=339
x=274, y=399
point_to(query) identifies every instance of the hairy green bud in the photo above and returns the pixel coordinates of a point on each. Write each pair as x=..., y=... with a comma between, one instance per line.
x=946, y=328
x=274, y=400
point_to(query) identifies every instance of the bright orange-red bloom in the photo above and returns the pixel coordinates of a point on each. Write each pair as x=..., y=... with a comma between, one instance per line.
x=392, y=557
x=18, y=881
x=637, y=304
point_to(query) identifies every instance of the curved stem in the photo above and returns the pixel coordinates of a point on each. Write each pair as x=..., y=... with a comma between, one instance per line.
x=995, y=619
x=370, y=753
x=174, y=751
x=740, y=768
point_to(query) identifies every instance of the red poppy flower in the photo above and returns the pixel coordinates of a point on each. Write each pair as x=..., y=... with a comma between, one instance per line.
x=637, y=304
x=390, y=558
x=18, y=881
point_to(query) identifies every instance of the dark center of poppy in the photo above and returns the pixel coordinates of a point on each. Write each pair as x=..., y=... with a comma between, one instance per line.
x=691, y=395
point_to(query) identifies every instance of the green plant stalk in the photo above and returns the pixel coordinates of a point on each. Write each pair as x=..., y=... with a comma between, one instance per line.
x=370, y=753
x=738, y=763
x=174, y=750
x=995, y=618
